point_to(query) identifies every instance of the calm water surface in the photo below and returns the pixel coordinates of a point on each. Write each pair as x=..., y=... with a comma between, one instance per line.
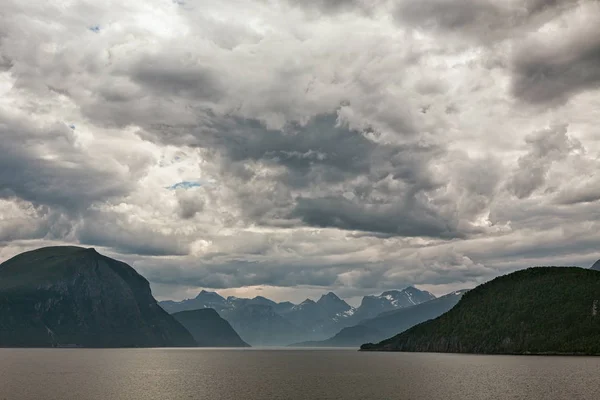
x=170, y=374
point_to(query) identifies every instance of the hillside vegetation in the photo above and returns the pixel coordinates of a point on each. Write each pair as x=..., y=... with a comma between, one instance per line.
x=543, y=310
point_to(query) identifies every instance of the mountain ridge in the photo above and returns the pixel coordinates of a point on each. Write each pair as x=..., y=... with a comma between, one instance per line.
x=68, y=295
x=308, y=320
x=388, y=323
x=540, y=310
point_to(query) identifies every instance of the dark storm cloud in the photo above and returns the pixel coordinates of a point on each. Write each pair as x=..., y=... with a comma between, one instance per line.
x=387, y=181
x=461, y=16
x=176, y=77
x=543, y=72
x=549, y=74
x=104, y=229
x=481, y=20
x=409, y=216
x=31, y=170
x=321, y=147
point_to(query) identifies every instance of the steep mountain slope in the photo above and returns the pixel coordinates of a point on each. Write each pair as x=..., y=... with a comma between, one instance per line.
x=389, y=323
x=209, y=329
x=596, y=266
x=57, y=296
x=353, y=336
x=393, y=322
x=331, y=303
x=372, y=306
x=538, y=310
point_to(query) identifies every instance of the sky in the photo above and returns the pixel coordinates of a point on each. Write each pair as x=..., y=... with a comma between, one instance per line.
x=289, y=148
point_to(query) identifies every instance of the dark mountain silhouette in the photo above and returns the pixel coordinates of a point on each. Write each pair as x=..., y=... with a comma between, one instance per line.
x=543, y=310
x=72, y=296
x=209, y=329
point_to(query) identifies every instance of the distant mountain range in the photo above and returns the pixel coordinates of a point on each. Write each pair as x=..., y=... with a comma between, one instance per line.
x=543, y=310
x=263, y=322
x=389, y=323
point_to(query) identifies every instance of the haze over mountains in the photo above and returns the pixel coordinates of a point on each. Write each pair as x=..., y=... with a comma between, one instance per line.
x=389, y=323
x=261, y=321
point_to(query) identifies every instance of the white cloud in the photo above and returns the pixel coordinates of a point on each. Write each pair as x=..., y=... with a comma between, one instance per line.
x=347, y=145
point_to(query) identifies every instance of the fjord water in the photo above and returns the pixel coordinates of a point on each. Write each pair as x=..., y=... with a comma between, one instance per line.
x=289, y=374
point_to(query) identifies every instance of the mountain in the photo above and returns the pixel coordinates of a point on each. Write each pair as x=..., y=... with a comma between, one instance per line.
x=260, y=325
x=258, y=321
x=543, y=310
x=215, y=301
x=72, y=296
x=203, y=300
x=283, y=307
x=393, y=322
x=372, y=306
x=307, y=321
x=389, y=323
x=321, y=318
x=333, y=304
x=596, y=266
x=351, y=336
x=209, y=329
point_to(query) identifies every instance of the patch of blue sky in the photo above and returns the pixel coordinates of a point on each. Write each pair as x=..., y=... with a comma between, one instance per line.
x=95, y=28
x=184, y=185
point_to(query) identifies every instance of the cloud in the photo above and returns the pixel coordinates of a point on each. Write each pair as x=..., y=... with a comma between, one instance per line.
x=452, y=141
x=546, y=147
x=45, y=165
x=337, y=6
x=484, y=22
x=470, y=17
x=548, y=69
x=408, y=218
